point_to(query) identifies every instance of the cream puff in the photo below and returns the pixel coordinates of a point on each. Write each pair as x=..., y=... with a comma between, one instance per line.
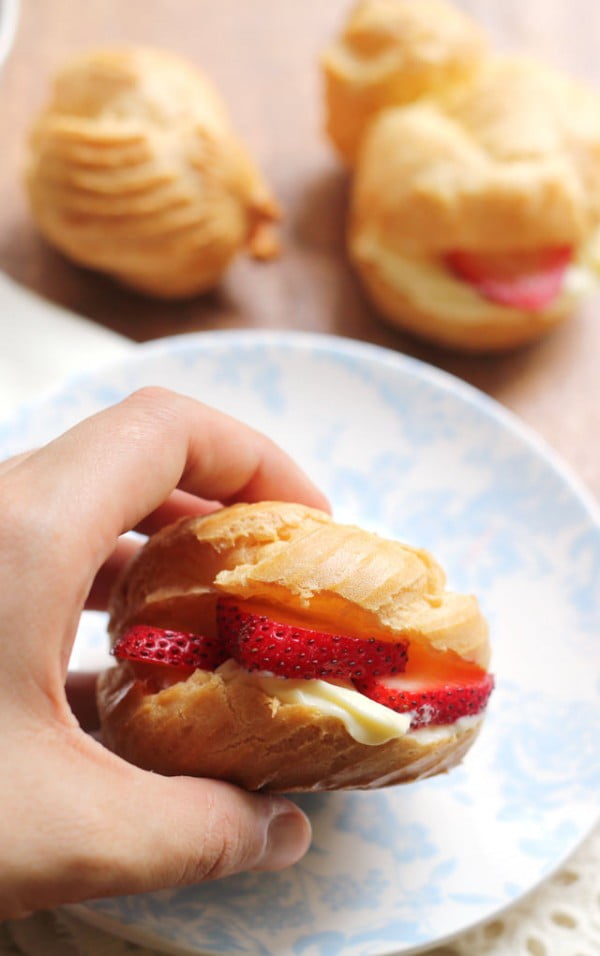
x=270, y=646
x=392, y=52
x=133, y=169
x=475, y=216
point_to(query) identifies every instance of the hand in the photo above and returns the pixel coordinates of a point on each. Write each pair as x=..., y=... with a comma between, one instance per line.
x=76, y=821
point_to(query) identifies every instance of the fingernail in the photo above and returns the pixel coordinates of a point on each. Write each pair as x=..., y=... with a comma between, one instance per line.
x=288, y=839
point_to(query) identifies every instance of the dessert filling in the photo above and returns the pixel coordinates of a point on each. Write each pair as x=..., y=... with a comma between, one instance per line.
x=439, y=283
x=528, y=280
x=368, y=679
x=365, y=720
x=381, y=688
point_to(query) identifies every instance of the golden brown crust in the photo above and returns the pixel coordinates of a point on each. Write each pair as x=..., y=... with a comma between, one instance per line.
x=392, y=52
x=504, y=165
x=133, y=169
x=298, y=562
x=233, y=731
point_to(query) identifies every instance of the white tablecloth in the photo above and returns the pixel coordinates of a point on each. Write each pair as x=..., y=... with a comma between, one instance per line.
x=40, y=345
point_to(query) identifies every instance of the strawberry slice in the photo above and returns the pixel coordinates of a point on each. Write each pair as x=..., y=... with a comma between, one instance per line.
x=259, y=643
x=154, y=645
x=521, y=280
x=430, y=701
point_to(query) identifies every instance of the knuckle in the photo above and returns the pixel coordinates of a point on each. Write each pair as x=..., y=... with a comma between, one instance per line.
x=230, y=847
x=150, y=396
x=149, y=409
x=153, y=402
x=215, y=862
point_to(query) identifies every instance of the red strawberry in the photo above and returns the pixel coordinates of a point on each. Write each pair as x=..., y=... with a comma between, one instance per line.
x=259, y=643
x=171, y=648
x=431, y=701
x=521, y=280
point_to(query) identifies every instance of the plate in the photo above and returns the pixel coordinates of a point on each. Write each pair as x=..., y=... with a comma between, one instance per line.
x=412, y=453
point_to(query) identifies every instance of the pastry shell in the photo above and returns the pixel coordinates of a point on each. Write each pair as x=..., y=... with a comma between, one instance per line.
x=508, y=163
x=299, y=561
x=392, y=52
x=231, y=730
x=133, y=169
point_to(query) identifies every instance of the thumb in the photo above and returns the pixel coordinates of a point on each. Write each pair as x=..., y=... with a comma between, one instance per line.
x=96, y=826
x=182, y=831
x=150, y=832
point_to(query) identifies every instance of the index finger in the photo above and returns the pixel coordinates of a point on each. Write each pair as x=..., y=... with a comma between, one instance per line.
x=105, y=475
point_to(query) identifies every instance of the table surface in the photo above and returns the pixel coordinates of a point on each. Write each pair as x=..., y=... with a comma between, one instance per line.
x=263, y=55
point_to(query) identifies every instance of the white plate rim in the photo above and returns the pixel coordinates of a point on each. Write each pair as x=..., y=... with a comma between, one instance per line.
x=335, y=344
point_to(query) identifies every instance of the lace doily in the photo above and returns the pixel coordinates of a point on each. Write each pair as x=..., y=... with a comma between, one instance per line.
x=561, y=918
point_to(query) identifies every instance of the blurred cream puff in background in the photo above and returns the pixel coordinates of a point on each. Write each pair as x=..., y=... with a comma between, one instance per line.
x=475, y=206
x=133, y=169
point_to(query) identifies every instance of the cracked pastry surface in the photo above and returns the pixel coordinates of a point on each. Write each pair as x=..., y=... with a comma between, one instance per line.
x=133, y=169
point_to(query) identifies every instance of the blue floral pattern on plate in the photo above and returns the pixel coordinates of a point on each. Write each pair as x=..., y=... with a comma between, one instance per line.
x=412, y=453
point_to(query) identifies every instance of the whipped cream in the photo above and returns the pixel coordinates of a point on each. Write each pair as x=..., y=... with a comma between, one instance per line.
x=365, y=720
x=434, y=288
x=432, y=735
